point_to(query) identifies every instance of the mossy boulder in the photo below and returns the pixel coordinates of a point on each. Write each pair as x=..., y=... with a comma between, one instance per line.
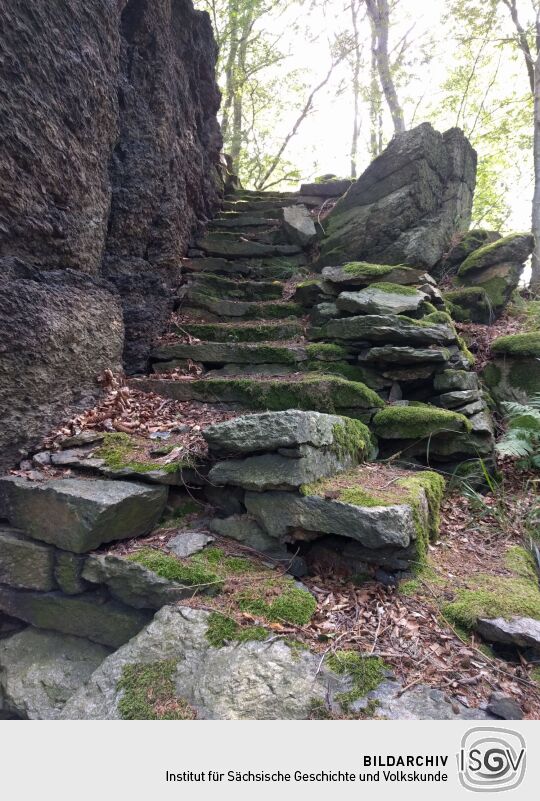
x=514, y=248
x=516, y=346
x=466, y=243
x=417, y=422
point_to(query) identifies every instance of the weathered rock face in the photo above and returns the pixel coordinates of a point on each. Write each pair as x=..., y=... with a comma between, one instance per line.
x=58, y=331
x=245, y=681
x=40, y=670
x=109, y=177
x=407, y=204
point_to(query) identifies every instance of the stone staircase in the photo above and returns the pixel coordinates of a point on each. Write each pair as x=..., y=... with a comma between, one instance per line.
x=259, y=328
x=342, y=364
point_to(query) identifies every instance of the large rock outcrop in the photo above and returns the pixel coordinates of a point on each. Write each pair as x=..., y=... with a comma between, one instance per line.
x=109, y=155
x=409, y=202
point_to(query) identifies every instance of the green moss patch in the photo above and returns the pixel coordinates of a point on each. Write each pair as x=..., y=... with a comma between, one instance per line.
x=255, y=332
x=294, y=606
x=150, y=694
x=494, y=596
x=193, y=573
x=352, y=438
x=222, y=630
x=518, y=344
x=394, y=289
x=119, y=451
x=356, y=268
x=365, y=672
x=491, y=596
x=326, y=393
x=326, y=351
x=417, y=422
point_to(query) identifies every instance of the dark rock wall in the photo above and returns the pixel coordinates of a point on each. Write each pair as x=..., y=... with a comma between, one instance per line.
x=108, y=162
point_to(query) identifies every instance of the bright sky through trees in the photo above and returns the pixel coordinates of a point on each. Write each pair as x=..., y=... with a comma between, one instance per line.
x=453, y=62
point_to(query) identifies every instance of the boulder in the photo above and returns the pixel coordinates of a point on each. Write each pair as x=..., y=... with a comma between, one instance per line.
x=24, y=563
x=466, y=244
x=381, y=299
x=299, y=226
x=504, y=707
x=408, y=204
x=41, y=670
x=274, y=471
x=271, y=430
x=80, y=515
x=470, y=304
x=132, y=583
x=497, y=268
x=524, y=632
x=386, y=329
x=90, y=615
x=417, y=422
x=241, y=681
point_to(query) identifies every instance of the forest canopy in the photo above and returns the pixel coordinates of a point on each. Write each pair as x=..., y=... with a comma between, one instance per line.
x=315, y=87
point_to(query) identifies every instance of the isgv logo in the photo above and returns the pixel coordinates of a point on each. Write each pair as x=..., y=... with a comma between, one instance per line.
x=491, y=760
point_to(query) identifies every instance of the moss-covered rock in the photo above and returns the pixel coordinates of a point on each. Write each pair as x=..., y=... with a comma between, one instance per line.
x=518, y=345
x=513, y=248
x=231, y=353
x=365, y=672
x=381, y=298
x=417, y=422
x=361, y=273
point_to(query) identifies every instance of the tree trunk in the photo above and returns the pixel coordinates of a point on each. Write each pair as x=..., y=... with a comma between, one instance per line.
x=356, y=89
x=229, y=70
x=535, y=226
x=380, y=15
x=375, y=115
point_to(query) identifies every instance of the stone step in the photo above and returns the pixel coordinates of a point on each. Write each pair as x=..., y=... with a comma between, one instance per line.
x=220, y=287
x=249, y=332
x=218, y=353
x=232, y=247
x=263, y=236
x=276, y=267
x=242, y=221
x=274, y=214
x=79, y=515
x=248, y=310
x=259, y=194
x=323, y=393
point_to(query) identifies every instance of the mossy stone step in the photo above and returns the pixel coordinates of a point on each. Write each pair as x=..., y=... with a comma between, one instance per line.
x=261, y=204
x=242, y=221
x=232, y=247
x=248, y=310
x=221, y=287
x=252, y=332
x=276, y=267
x=230, y=214
x=231, y=353
x=322, y=393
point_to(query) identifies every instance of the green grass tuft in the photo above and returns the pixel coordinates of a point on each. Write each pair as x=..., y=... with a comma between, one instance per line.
x=150, y=694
